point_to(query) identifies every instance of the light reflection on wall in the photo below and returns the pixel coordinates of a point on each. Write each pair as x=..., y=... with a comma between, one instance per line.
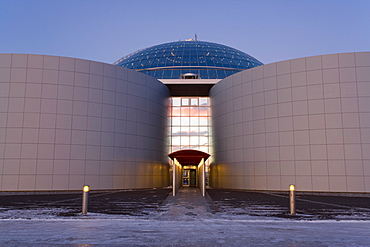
x=190, y=123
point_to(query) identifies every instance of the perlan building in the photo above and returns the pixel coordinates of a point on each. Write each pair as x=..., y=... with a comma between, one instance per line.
x=186, y=113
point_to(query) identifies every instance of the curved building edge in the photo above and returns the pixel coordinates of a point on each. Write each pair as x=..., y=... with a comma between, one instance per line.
x=303, y=121
x=67, y=122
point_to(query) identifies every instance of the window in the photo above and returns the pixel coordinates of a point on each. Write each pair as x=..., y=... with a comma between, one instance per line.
x=190, y=123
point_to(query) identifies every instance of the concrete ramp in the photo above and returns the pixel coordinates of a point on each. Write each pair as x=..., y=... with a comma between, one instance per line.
x=187, y=203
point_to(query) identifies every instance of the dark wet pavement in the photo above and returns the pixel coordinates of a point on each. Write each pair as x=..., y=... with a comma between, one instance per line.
x=124, y=202
x=309, y=206
x=154, y=218
x=189, y=202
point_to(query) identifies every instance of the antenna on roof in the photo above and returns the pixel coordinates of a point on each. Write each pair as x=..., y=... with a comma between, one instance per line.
x=196, y=37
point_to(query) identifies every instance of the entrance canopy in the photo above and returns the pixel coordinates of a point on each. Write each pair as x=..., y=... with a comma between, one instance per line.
x=189, y=156
x=182, y=160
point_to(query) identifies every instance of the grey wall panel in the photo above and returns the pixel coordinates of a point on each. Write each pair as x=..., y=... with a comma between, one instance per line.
x=302, y=121
x=67, y=122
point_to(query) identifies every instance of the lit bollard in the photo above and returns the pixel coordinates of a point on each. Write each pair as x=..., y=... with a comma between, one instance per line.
x=85, y=199
x=292, y=199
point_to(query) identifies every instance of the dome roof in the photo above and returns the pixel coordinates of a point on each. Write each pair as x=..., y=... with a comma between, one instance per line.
x=205, y=59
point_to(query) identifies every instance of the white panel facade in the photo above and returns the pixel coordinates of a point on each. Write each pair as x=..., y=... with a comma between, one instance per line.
x=304, y=121
x=67, y=122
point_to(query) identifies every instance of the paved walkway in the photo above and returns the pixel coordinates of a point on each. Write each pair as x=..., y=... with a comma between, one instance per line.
x=184, y=220
x=187, y=203
x=183, y=232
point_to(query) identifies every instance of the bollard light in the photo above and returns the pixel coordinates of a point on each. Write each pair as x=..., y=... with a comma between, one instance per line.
x=292, y=199
x=86, y=188
x=85, y=199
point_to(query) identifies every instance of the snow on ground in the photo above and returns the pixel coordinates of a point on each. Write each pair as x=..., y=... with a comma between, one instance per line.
x=181, y=221
x=96, y=231
x=50, y=227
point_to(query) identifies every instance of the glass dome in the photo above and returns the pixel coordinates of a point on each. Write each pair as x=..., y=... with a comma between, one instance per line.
x=173, y=60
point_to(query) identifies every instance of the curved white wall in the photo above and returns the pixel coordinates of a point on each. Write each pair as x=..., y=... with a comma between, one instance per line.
x=67, y=122
x=304, y=121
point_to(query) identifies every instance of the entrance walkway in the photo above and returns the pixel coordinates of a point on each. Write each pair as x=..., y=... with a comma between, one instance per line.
x=187, y=203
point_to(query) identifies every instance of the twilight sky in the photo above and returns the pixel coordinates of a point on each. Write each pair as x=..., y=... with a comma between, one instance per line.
x=106, y=30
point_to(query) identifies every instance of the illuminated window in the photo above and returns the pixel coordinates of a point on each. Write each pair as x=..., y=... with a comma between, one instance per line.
x=184, y=101
x=194, y=102
x=194, y=121
x=190, y=123
x=176, y=101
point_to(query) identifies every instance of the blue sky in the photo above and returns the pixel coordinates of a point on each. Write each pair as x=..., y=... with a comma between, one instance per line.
x=105, y=30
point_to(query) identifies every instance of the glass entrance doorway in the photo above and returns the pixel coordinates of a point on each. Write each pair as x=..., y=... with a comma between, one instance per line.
x=189, y=178
x=188, y=169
